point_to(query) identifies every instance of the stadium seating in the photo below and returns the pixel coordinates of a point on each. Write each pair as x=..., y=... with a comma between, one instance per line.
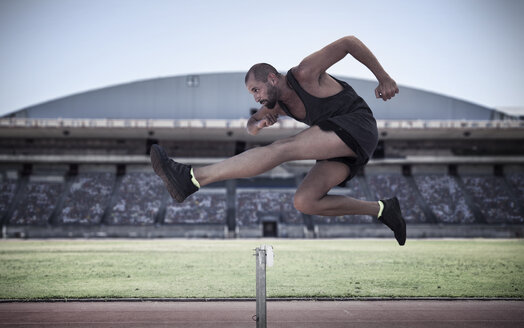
x=206, y=206
x=252, y=204
x=389, y=185
x=444, y=198
x=138, y=200
x=7, y=193
x=460, y=174
x=493, y=198
x=516, y=181
x=38, y=203
x=87, y=198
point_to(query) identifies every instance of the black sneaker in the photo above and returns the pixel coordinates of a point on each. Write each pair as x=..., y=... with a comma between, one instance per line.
x=176, y=176
x=392, y=217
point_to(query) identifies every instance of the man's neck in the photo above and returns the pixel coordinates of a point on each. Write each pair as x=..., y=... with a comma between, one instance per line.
x=286, y=92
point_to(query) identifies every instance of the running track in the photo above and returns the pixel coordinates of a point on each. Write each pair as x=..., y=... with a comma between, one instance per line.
x=330, y=314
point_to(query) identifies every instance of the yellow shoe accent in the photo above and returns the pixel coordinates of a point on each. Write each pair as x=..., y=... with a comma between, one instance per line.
x=194, y=180
x=379, y=204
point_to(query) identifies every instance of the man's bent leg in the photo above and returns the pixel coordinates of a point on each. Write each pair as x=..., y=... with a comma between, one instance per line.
x=312, y=198
x=312, y=143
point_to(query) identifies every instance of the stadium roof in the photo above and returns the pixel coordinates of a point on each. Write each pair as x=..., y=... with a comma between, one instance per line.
x=224, y=96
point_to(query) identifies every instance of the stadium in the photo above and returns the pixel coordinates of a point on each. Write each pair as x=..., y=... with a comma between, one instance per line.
x=78, y=166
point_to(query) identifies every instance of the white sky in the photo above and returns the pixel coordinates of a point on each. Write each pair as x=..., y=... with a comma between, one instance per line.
x=469, y=49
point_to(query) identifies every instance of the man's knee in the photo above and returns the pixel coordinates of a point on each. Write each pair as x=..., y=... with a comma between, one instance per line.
x=305, y=204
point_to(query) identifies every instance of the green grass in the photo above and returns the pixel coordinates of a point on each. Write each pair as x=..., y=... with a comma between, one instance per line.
x=226, y=268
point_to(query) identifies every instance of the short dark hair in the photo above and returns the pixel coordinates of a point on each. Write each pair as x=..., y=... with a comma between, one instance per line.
x=261, y=71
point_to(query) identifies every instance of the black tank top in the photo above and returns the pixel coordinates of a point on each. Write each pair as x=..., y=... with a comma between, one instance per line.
x=320, y=109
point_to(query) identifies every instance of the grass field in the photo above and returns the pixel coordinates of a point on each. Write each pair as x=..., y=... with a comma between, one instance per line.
x=46, y=269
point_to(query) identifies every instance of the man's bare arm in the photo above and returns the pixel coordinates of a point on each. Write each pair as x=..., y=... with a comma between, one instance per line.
x=316, y=64
x=264, y=117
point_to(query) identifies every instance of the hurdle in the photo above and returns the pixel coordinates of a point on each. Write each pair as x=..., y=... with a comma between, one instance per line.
x=264, y=256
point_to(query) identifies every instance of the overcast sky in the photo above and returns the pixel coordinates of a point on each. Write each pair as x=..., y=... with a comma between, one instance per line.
x=469, y=49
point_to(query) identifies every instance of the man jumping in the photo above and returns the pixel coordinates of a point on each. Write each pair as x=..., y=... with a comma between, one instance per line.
x=342, y=136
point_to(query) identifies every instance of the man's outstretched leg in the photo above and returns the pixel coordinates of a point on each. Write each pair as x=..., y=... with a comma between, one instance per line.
x=181, y=180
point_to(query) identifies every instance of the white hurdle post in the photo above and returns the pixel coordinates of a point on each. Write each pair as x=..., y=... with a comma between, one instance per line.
x=264, y=255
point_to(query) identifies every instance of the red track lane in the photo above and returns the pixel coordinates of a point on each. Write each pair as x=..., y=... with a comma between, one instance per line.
x=330, y=314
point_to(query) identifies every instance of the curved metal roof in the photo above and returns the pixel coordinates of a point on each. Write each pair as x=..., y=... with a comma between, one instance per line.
x=224, y=96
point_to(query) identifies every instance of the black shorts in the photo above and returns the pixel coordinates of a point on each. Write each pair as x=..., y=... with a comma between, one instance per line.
x=359, y=132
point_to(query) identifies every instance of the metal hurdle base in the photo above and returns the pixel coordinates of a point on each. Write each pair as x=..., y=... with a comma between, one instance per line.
x=264, y=255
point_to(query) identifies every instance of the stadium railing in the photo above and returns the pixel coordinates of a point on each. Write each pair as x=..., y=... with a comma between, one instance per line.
x=241, y=123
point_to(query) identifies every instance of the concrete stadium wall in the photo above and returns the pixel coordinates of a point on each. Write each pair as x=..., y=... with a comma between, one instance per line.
x=285, y=231
x=101, y=231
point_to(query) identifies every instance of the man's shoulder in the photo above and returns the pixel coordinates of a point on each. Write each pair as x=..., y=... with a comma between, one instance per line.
x=317, y=84
x=305, y=75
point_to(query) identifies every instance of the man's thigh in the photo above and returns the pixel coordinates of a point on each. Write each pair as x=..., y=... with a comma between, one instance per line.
x=314, y=143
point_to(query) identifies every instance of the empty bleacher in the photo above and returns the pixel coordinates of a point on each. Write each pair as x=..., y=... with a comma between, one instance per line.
x=252, y=204
x=7, y=193
x=138, y=201
x=88, y=195
x=494, y=200
x=97, y=196
x=516, y=181
x=207, y=206
x=388, y=182
x=445, y=198
x=38, y=203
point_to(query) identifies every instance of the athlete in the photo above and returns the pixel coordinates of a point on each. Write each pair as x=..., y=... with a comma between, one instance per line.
x=342, y=136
